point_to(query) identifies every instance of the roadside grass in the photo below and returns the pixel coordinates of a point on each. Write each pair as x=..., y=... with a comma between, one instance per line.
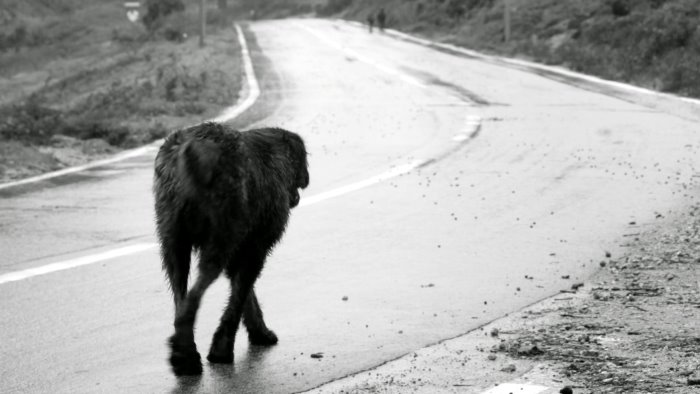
x=124, y=89
x=649, y=43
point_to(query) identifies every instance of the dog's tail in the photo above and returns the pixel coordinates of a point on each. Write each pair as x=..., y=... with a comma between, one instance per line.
x=197, y=164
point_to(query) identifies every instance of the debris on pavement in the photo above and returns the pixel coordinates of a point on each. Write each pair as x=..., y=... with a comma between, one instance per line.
x=636, y=329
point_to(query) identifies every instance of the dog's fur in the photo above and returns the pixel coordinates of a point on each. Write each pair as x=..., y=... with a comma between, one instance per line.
x=228, y=195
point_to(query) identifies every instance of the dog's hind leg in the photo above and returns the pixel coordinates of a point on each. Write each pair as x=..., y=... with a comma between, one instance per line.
x=258, y=333
x=184, y=357
x=243, y=273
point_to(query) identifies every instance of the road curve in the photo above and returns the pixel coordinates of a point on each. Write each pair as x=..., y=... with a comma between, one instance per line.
x=518, y=181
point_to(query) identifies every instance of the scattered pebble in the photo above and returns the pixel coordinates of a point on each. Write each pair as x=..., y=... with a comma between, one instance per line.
x=345, y=298
x=317, y=355
x=509, y=368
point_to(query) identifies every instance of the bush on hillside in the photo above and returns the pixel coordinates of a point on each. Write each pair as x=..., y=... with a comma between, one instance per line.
x=333, y=7
x=157, y=10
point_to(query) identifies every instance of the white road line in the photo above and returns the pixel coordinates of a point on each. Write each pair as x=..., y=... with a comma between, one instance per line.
x=226, y=115
x=77, y=262
x=122, y=156
x=253, y=86
x=516, y=388
x=394, y=172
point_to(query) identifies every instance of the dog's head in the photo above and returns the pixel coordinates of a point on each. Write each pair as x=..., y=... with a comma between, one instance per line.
x=300, y=166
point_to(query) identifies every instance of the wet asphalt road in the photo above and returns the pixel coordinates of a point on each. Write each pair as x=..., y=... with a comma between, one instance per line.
x=551, y=179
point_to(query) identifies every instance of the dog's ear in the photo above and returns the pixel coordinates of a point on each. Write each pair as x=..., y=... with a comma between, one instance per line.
x=303, y=175
x=298, y=153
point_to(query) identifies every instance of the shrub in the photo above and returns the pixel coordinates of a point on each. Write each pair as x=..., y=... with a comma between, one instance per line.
x=31, y=121
x=156, y=10
x=334, y=7
x=620, y=8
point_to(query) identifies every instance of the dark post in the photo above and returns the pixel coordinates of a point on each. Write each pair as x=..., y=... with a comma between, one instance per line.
x=506, y=20
x=203, y=22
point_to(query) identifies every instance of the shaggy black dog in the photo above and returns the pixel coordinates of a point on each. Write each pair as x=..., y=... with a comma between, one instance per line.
x=226, y=194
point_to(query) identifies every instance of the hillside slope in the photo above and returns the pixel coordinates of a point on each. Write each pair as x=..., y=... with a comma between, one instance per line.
x=80, y=81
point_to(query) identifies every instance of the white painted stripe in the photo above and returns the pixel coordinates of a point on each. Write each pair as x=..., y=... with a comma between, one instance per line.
x=228, y=114
x=516, y=388
x=394, y=172
x=252, y=83
x=122, y=156
x=349, y=52
x=77, y=262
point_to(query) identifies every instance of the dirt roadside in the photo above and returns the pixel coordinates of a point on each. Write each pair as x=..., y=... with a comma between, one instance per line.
x=634, y=327
x=113, y=100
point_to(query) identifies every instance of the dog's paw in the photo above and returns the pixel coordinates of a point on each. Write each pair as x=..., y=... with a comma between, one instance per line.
x=184, y=358
x=215, y=358
x=221, y=351
x=263, y=338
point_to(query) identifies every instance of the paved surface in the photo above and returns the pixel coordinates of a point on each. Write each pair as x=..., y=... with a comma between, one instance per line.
x=544, y=187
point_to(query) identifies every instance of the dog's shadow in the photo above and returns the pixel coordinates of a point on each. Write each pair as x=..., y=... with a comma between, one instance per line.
x=222, y=376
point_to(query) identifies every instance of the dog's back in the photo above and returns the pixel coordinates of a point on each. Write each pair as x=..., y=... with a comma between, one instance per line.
x=218, y=173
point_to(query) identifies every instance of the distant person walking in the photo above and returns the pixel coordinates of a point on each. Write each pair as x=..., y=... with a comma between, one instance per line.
x=381, y=19
x=370, y=22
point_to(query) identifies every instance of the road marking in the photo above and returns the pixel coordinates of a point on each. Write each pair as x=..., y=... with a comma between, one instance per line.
x=122, y=156
x=77, y=262
x=392, y=173
x=226, y=115
x=516, y=388
x=252, y=81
